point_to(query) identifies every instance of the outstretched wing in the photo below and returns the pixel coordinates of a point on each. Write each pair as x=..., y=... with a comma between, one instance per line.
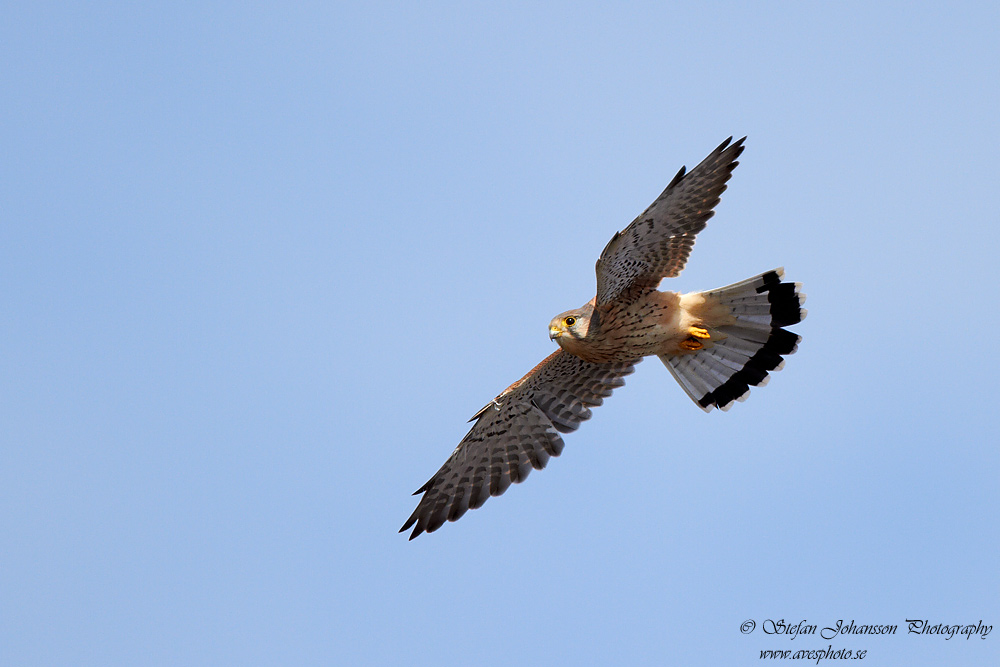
x=517, y=431
x=657, y=243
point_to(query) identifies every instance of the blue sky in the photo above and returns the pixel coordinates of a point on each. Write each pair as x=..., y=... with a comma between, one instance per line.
x=260, y=263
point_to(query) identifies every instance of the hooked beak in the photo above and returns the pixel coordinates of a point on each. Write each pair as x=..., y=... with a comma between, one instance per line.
x=554, y=333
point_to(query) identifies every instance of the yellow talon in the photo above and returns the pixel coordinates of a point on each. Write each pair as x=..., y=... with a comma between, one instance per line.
x=689, y=344
x=698, y=332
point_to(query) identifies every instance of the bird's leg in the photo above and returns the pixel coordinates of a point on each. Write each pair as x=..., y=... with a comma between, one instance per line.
x=691, y=342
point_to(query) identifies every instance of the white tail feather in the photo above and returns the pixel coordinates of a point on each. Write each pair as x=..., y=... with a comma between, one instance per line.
x=725, y=369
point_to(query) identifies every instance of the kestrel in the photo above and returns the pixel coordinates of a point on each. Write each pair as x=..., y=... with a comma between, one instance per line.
x=716, y=344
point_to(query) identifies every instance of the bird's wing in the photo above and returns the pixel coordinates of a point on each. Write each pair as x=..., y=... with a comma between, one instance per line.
x=657, y=243
x=517, y=431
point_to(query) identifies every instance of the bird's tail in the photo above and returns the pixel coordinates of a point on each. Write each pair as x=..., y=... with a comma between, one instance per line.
x=726, y=360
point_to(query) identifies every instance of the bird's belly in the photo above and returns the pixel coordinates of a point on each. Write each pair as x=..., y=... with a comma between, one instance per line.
x=647, y=327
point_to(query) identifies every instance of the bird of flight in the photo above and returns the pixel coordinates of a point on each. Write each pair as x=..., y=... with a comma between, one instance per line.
x=717, y=344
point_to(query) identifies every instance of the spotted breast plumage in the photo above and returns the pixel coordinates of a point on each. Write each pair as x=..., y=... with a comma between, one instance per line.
x=717, y=344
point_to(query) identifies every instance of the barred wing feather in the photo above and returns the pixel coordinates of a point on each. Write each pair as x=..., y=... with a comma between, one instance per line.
x=514, y=434
x=657, y=244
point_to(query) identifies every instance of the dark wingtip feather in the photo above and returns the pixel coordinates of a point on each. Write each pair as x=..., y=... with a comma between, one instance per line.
x=736, y=146
x=737, y=149
x=677, y=179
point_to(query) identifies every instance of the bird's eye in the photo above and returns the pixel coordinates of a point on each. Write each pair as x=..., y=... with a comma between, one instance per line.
x=570, y=321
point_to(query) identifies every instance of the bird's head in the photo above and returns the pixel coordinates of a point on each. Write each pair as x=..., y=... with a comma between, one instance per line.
x=571, y=328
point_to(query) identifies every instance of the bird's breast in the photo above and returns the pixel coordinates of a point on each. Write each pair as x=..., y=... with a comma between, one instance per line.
x=629, y=331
